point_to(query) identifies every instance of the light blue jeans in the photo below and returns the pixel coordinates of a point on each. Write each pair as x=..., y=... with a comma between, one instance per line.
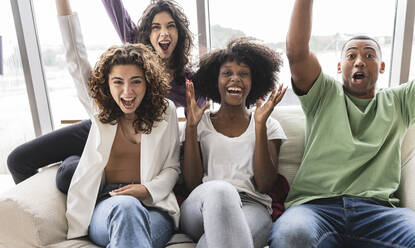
x=344, y=222
x=215, y=215
x=123, y=221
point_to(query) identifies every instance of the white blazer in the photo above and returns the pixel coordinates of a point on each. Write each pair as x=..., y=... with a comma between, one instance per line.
x=159, y=149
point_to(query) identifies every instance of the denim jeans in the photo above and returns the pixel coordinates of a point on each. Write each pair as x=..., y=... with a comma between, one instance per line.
x=344, y=222
x=123, y=221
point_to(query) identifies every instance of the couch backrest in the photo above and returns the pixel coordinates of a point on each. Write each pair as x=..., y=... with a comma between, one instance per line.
x=292, y=120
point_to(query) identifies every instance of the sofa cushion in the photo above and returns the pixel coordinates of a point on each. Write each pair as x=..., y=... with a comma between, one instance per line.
x=292, y=120
x=34, y=221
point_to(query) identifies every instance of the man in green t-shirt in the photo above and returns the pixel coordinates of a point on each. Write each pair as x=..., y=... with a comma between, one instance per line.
x=343, y=193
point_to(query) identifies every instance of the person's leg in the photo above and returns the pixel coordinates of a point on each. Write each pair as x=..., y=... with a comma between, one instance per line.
x=65, y=172
x=161, y=227
x=259, y=220
x=25, y=160
x=214, y=208
x=315, y=224
x=122, y=221
x=375, y=225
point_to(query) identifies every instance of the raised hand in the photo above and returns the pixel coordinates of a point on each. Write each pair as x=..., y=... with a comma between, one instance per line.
x=139, y=191
x=194, y=113
x=262, y=112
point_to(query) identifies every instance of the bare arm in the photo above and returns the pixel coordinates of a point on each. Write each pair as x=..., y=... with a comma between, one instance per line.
x=63, y=7
x=304, y=65
x=265, y=160
x=192, y=166
x=266, y=152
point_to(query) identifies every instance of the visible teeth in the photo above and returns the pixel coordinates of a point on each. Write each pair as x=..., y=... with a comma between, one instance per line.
x=127, y=102
x=164, y=44
x=234, y=90
x=358, y=76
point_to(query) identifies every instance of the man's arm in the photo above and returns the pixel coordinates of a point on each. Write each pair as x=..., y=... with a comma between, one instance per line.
x=304, y=65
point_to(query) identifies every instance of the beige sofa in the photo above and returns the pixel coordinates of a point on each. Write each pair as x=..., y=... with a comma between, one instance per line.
x=32, y=214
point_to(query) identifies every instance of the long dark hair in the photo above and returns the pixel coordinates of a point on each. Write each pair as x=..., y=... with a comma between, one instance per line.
x=180, y=57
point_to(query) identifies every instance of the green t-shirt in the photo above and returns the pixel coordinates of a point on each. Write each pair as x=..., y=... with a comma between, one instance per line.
x=352, y=145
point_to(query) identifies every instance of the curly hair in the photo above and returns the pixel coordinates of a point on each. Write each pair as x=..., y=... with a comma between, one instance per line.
x=154, y=103
x=263, y=62
x=180, y=56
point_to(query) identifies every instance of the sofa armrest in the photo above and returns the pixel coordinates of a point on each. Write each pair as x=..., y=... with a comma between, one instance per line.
x=34, y=211
x=407, y=186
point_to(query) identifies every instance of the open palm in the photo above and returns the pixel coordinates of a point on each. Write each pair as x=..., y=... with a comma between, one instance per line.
x=194, y=112
x=262, y=112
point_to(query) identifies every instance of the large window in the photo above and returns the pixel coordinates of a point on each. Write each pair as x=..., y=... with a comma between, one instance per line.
x=16, y=125
x=98, y=33
x=412, y=68
x=333, y=23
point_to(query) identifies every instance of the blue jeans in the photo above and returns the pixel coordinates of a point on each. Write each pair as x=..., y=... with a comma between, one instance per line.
x=344, y=222
x=123, y=221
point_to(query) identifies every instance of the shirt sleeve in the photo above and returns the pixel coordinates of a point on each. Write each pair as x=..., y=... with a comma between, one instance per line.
x=121, y=20
x=406, y=96
x=162, y=185
x=323, y=86
x=77, y=58
x=274, y=130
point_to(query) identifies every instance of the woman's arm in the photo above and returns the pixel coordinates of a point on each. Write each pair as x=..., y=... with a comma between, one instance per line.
x=266, y=152
x=192, y=166
x=121, y=20
x=75, y=52
x=162, y=185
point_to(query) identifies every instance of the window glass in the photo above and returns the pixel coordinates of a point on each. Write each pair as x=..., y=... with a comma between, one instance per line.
x=99, y=34
x=412, y=67
x=269, y=21
x=16, y=126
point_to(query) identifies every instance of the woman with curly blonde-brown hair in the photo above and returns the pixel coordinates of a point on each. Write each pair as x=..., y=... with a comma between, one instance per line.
x=121, y=192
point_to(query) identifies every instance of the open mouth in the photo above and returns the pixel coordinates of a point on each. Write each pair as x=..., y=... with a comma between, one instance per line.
x=358, y=77
x=164, y=45
x=128, y=102
x=234, y=90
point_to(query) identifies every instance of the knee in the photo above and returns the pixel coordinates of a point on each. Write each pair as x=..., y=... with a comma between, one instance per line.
x=65, y=173
x=292, y=230
x=222, y=191
x=126, y=206
x=14, y=159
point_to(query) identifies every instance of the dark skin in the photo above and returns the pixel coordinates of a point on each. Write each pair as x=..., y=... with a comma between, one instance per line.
x=232, y=120
x=358, y=56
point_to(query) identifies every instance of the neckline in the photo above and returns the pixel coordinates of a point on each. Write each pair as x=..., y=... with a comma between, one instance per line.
x=237, y=137
x=125, y=138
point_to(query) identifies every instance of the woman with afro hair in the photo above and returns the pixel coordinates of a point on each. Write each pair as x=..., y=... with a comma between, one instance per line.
x=231, y=155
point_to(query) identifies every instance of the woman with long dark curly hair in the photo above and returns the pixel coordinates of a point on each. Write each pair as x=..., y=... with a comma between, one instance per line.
x=231, y=155
x=163, y=27
x=121, y=192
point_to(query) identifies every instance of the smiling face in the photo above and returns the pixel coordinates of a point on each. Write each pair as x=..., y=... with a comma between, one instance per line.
x=360, y=66
x=164, y=34
x=234, y=83
x=127, y=86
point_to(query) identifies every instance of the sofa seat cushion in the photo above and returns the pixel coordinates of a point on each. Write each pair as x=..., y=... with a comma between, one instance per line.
x=35, y=211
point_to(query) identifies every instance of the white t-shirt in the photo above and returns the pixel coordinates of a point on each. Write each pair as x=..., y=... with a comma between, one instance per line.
x=231, y=159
